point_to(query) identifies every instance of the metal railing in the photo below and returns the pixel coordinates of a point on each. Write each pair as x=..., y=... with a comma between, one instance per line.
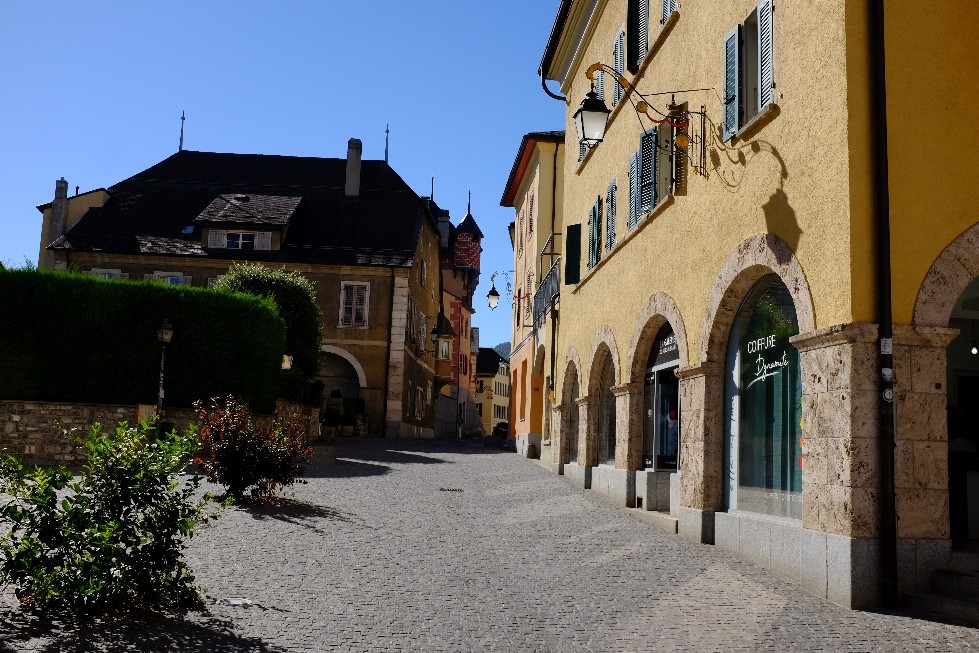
x=547, y=292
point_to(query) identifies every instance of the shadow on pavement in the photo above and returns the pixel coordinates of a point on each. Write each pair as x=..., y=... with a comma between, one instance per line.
x=305, y=514
x=410, y=451
x=346, y=469
x=196, y=632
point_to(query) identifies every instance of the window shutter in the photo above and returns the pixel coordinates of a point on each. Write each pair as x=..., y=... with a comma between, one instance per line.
x=347, y=309
x=186, y=280
x=732, y=78
x=669, y=6
x=618, y=55
x=600, y=84
x=360, y=307
x=263, y=240
x=647, y=171
x=664, y=162
x=637, y=38
x=530, y=215
x=766, y=68
x=633, y=190
x=216, y=238
x=582, y=150
x=610, y=217
x=592, y=218
x=572, y=247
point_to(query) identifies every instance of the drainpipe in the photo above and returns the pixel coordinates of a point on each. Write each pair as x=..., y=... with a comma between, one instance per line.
x=881, y=210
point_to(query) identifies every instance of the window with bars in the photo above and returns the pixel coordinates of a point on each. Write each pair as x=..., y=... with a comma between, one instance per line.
x=354, y=298
x=749, y=70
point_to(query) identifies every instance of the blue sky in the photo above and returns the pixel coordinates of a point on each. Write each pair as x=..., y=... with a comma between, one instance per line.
x=93, y=92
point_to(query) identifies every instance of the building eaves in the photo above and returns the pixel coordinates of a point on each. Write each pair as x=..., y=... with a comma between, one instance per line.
x=552, y=41
x=522, y=160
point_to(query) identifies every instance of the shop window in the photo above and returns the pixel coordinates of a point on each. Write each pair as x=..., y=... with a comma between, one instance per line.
x=763, y=401
x=749, y=70
x=661, y=403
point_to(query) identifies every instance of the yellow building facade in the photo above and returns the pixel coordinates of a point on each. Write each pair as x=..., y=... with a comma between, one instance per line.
x=535, y=190
x=731, y=352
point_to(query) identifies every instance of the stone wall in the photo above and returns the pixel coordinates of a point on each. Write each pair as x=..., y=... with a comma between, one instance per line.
x=36, y=431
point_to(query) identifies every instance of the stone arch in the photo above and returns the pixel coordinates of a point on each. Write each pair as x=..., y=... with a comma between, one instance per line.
x=605, y=337
x=572, y=374
x=947, y=278
x=659, y=309
x=755, y=257
x=350, y=358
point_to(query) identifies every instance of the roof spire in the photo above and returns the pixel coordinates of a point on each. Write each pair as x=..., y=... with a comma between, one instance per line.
x=469, y=204
x=387, y=136
x=182, y=118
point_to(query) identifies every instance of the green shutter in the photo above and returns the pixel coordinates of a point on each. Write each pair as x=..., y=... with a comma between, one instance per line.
x=610, y=217
x=572, y=251
x=647, y=171
x=633, y=190
x=732, y=82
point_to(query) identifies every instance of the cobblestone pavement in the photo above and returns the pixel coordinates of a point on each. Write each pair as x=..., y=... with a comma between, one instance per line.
x=429, y=546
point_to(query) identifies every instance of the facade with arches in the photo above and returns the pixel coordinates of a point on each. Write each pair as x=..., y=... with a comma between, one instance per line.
x=732, y=356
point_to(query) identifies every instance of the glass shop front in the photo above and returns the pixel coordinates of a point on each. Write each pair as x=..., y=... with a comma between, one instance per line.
x=661, y=404
x=763, y=402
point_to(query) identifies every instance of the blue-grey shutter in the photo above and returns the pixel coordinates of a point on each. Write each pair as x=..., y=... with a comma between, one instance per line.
x=766, y=68
x=732, y=79
x=582, y=150
x=669, y=6
x=610, y=217
x=642, y=22
x=634, y=190
x=618, y=55
x=572, y=252
x=596, y=228
x=647, y=170
x=600, y=84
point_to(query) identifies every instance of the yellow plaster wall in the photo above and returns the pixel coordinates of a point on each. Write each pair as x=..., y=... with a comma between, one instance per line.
x=789, y=177
x=80, y=204
x=933, y=143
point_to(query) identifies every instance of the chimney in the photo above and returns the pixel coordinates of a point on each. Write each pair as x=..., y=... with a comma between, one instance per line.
x=53, y=224
x=354, y=150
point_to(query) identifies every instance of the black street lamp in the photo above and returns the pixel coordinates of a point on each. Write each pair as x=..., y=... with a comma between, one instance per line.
x=164, y=335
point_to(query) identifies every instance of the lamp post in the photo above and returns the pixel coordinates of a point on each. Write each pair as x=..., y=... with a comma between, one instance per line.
x=164, y=334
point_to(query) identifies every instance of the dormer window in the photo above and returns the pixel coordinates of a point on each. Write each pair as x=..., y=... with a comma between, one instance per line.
x=238, y=240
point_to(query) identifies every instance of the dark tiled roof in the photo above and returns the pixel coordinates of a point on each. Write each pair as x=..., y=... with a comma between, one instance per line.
x=149, y=212
x=469, y=226
x=488, y=361
x=256, y=209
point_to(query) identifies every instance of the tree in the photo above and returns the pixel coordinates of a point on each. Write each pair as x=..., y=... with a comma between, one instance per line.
x=503, y=349
x=295, y=297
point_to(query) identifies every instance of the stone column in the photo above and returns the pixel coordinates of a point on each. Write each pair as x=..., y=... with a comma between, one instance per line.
x=840, y=472
x=701, y=449
x=628, y=425
x=587, y=454
x=559, y=434
x=921, y=452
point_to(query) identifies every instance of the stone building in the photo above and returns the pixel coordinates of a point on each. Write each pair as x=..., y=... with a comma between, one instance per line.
x=353, y=227
x=492, y=388
x=770, y=340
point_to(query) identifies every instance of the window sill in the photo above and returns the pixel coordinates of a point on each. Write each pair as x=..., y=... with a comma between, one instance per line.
x=643, y=221
x=760, y=119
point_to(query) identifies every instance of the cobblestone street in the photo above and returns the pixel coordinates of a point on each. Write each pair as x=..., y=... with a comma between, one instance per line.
x=430, y=546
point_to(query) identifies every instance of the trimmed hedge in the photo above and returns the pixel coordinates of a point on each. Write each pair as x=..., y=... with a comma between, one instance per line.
x=295, y=297
x=75, y=338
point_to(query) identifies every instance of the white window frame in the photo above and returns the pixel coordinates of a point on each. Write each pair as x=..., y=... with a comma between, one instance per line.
x=352, y=322
x=261, y=240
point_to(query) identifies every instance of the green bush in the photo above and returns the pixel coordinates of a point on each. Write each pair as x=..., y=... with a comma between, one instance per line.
x=295, y=297
x=113, y=538
x=76, y=338
x=245, y=458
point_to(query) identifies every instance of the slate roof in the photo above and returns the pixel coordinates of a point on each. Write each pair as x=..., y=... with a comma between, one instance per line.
x=151, y=212
x=252, y=209
x=488, y=362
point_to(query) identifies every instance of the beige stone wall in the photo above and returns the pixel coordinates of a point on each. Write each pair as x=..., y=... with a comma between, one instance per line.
x=35, y=430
